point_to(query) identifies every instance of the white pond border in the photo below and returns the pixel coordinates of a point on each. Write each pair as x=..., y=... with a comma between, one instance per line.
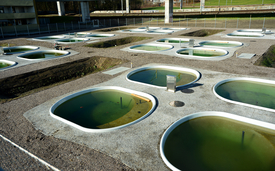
x=33, y=48
x=203, y=114
x=150, y=44
x=221, y=41
x=148, y=96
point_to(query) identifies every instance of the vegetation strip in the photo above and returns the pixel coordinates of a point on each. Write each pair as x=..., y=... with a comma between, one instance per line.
x=202, y=33
x=268, y=58
x=31, y=82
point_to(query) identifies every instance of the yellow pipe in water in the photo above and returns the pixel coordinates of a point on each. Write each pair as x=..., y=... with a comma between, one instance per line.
x=147, y=100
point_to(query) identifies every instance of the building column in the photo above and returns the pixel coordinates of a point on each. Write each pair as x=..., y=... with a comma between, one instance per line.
x=181, y=2
x=60, y=8
x=85, y=11
x=168, y=11
x=202, y=5
x=127, y=6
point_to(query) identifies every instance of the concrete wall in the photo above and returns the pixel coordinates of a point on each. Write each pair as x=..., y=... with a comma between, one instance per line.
x=195, y=10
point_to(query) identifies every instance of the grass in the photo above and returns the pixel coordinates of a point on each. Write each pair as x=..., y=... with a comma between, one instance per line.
x=117, y=42
x=6, y=44
x=268, y=58
x=28, y=83
x=216, y=3
x=202, y=33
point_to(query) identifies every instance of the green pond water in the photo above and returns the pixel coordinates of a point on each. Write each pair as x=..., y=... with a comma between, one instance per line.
x=150, y=48
x=215, y=144
x=222, y=44
x=103, y=109
x=255, y=93
x=3, y=65
x=172, y=41
x=157, y=76
x=41, y=55
x=17, y=50
x=244, y=35
x=202, y=53
x=97, y=36
x=71, y=40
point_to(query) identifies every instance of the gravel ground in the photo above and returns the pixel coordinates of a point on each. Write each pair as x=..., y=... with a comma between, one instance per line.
x=66, y=155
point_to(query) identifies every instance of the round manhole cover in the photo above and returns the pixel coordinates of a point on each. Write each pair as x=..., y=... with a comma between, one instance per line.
x=176, y=103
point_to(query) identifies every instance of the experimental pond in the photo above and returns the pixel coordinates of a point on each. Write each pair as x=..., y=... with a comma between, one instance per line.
x=72, y=40
x=202, y=53
x=219, y=141
x=103, y=108
x=151, y=47
x=226, y=44
x=45, y=54
x=252, y=92
x=156, y=76
x=48, y=38
x=4, y=64
x=19, y=49
x=173, y=40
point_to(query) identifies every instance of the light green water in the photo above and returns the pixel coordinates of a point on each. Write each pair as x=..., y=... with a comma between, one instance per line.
x=103, y=109
x=3, y=65
x=215, y=144
x=158, y=76
x=245, y=35
x=42, y=55
x=202, y=53
x=255, y=93
x=97, y=36
x=150, y=48
x=16, y=50
x=172, y=41
x=222, y=44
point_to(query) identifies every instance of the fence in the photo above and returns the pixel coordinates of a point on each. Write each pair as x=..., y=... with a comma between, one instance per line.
x=249, y=22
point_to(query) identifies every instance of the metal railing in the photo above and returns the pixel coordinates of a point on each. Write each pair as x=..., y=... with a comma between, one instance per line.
x=249, y=22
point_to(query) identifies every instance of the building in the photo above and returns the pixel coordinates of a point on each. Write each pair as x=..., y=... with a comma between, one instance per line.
x=17, y=12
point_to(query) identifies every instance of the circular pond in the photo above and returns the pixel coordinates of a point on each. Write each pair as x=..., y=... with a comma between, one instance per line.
x=4, y=64
x=252, y=92
x=150, y=28
x=103, y=108
x=134, y=30
x=173, y=40
x=221, y=43
x=218, y=141
x=151, y=47
x=244, y=34
x=202, y=53
x=71, y=40
x=19, y=49
x=80, y=34
x=100, y=35
x=160, y=31
x=156, y=76
x=46, y=54
x=173, y=28
x=254, y=30
x=48, y=38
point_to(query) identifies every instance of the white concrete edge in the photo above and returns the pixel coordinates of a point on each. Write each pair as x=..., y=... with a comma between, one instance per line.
x=203, y=114
x=240, y=103
x=33, y=48
x=59, y=102
x=150, y=44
